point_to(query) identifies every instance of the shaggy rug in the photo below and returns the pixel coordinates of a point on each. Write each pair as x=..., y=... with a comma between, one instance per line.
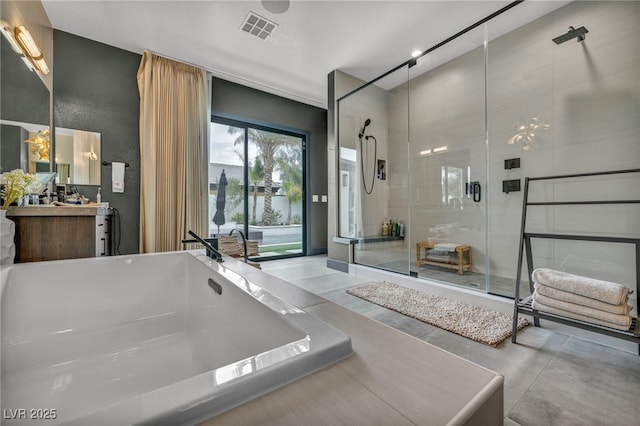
x=479, y=324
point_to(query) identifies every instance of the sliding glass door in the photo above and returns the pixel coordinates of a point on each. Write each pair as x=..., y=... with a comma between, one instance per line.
x=256, y=185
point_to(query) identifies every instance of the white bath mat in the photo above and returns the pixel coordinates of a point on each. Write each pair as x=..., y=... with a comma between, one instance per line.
x=479, y=324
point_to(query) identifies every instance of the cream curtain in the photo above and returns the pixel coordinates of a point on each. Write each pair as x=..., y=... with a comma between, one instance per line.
x=173, y=152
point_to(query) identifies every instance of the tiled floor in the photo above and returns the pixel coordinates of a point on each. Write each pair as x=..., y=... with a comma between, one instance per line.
x=552, y=377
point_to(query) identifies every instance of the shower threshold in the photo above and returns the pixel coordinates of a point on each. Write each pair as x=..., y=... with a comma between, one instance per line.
x=498, y=286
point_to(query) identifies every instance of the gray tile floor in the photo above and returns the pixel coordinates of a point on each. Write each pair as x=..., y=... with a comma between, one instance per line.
x=552, y=377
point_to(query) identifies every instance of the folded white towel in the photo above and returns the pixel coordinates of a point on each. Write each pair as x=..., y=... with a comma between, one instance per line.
x=117, y=177
x=446, y=246
x=544, y=308
x=622, y=319
x=441, y=258
x=565, y=296
x=605, y=291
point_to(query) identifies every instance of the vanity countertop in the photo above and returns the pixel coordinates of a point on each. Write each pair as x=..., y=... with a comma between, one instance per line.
x=51, y=210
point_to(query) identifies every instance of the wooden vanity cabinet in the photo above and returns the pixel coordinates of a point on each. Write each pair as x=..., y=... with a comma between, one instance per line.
x=55, y=233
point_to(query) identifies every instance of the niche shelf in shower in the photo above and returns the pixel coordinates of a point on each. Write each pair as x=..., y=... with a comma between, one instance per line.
x=378, y=239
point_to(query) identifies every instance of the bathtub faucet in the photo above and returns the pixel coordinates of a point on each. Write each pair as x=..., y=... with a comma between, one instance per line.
x=244, y=243
x=212, y=252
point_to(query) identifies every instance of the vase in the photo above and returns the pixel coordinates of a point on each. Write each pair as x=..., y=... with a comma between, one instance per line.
x=7, y=244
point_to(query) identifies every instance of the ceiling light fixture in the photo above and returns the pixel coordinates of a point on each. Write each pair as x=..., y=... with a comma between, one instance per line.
x=276, y=6
x=31, y=49
x=416, y=53
x=258, y=26
x=434, y=150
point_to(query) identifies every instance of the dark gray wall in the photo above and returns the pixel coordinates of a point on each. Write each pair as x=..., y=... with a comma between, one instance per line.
x=95, y=89
x=239, y=102
x=14, y=152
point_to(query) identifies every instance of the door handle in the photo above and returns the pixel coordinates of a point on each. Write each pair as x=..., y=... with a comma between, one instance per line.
x=477, y=196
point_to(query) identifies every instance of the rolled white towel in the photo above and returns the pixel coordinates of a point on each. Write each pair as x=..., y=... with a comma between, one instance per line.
x=605, y=291
x=565, y=296
x=623, y=319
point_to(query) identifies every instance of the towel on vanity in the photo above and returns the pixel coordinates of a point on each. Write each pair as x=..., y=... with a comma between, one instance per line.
x=565, y=296
x=544, y=308
x=621, y=319
x=117, y=177
x=605, y=291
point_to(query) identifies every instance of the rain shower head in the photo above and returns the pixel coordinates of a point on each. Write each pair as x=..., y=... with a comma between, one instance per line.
x=573, y=33
x=366, y=123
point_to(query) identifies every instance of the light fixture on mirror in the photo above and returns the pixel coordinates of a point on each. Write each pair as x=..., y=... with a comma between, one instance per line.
x=31, y=49
x=93, y=156
x=42, y=144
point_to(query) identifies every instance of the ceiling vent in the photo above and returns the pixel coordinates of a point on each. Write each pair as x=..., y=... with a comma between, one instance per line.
x=258, y=26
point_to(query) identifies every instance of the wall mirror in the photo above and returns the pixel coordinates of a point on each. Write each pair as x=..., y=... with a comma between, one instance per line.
x=25, y=98
x=25, y=116
x=77, y=152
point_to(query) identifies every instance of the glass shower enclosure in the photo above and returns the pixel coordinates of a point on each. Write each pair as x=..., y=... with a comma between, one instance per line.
x=433, y=155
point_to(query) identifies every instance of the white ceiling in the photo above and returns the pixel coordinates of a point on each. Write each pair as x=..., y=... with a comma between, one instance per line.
x=313, y=38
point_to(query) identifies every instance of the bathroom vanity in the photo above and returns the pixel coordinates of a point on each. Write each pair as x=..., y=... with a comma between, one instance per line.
x=61, y=232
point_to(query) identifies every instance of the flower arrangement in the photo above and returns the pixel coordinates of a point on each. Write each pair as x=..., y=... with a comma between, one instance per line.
x=17, y=184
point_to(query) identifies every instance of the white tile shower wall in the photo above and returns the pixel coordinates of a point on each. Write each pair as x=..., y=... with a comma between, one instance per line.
x=371, y=103
x=588, y=93
x=397, y=161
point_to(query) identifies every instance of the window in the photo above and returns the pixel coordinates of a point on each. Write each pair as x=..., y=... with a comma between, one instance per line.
x=452, y=183
x=264, y=192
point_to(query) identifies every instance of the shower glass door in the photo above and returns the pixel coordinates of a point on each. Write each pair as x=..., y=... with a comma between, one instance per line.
x=373, y=187
x=448, y=170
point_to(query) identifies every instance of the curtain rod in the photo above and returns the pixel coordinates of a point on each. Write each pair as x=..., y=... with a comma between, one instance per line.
x=251, y=83
x=179, y=60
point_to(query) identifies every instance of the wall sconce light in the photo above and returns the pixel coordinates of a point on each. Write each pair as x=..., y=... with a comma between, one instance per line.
x=42, y=144
x=8, y=34
x=93, y=156
x=31, y=49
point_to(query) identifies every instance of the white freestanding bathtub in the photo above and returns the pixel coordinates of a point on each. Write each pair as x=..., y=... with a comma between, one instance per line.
x=147, y=339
